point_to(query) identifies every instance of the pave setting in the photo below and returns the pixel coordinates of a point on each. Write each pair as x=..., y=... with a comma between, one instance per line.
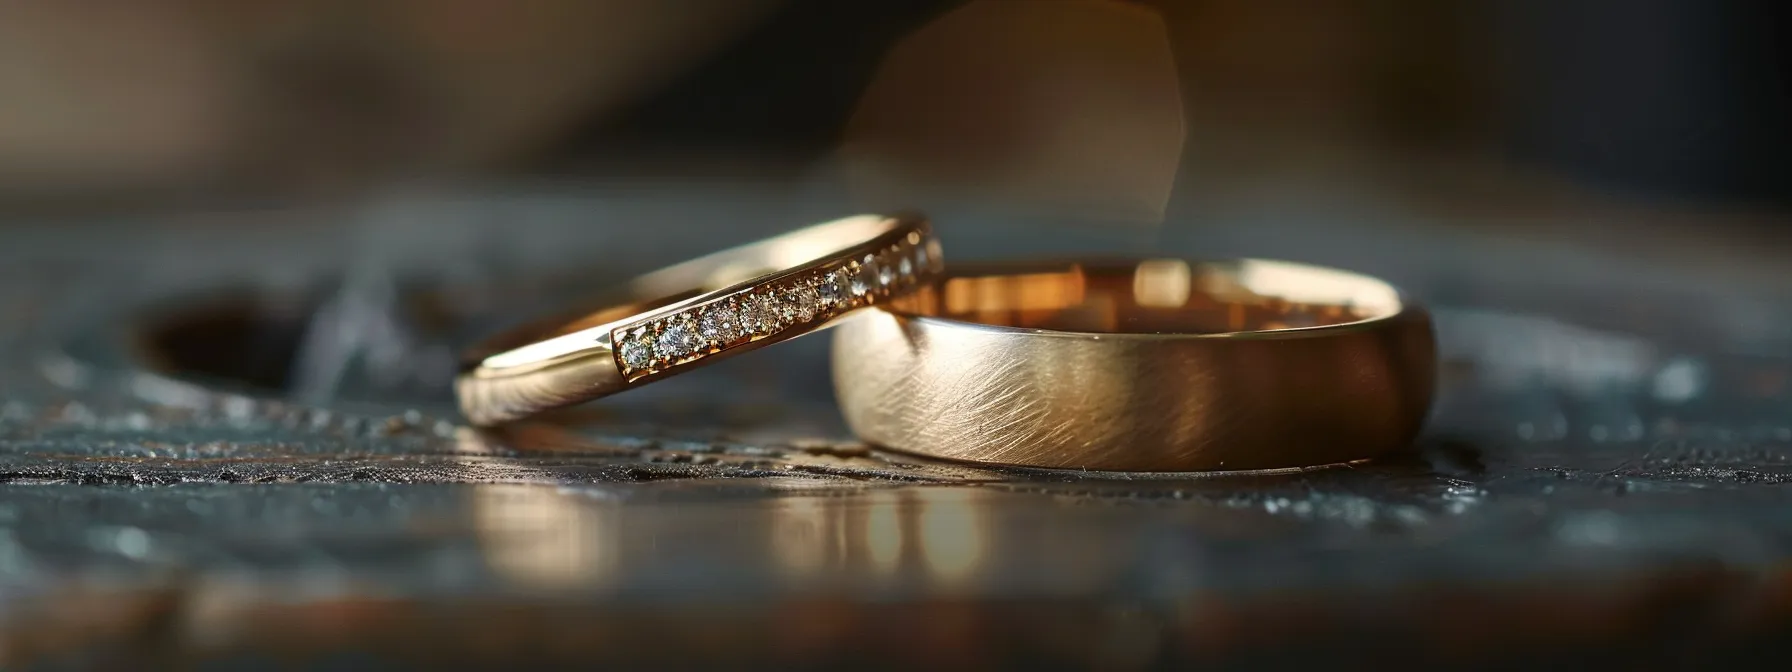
x=719, y=324
x=636, y=350
x=799, y=304
x=679, y=340
x=818, y=294
x=831, y=289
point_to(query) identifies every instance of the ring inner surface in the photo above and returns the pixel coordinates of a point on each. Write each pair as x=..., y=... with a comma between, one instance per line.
x=1156, y=296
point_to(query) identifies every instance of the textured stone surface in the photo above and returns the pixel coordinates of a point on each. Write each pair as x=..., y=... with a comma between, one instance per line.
x=248, y=456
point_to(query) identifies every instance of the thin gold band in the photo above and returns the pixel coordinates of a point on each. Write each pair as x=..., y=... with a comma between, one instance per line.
x=1158, y=365
x=699, y=311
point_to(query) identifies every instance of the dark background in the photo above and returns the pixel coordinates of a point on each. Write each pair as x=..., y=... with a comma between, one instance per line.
x=1660, y=101
x=242, y=243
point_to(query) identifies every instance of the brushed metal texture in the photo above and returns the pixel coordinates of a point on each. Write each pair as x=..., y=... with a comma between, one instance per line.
x=963, y=390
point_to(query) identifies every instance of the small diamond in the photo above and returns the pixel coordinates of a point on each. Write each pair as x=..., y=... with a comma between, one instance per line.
x=886, y=274
x=637, y=351
x=799, y=304
x=831, y=290
x=761, y=315
x=861, y=281
x=719, y=325
x=679, y=340
x=921, y=258
x=933, y=254
x=906, y=268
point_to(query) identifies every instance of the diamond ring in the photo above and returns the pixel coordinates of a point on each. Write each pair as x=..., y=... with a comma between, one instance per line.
x=700, y=311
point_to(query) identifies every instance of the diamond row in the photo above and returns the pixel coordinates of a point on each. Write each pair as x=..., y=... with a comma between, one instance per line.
x=703, y=330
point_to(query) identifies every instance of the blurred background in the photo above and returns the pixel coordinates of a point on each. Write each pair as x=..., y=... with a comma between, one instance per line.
x=1613, y=164
x=1091, y=104
x=242, y=241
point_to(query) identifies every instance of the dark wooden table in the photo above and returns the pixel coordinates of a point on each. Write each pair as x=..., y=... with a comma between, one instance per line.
x=227, y=444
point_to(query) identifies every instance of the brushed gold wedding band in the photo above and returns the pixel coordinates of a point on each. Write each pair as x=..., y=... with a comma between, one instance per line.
x=1141, y=365
x=698, y=312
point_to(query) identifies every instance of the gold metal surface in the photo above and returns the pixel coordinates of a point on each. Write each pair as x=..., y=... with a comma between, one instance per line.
x=699, y=311
x=1156, y=365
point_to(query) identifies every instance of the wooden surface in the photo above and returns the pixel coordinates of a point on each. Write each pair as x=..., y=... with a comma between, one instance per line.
x=194, y=478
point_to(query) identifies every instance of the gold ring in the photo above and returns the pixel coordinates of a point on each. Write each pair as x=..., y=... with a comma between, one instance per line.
x=1158, y=365
x=698, y=312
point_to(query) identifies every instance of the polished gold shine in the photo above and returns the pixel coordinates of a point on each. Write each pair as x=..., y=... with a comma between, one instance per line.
x=1155, y=365
x=699, y=311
